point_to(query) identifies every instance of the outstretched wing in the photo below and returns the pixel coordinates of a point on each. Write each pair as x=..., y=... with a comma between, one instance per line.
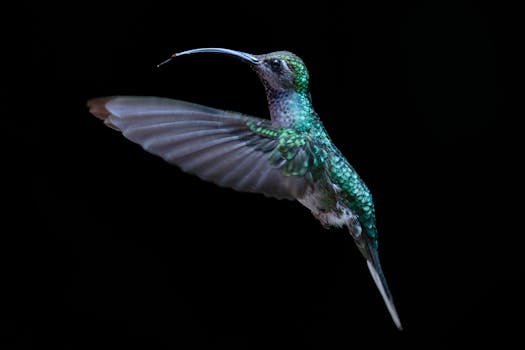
x=226, y=148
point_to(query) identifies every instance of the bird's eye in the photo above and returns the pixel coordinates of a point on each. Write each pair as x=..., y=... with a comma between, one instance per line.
x=276, y=65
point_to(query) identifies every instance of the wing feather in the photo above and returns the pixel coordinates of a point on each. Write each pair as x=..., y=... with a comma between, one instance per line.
x=215, y=145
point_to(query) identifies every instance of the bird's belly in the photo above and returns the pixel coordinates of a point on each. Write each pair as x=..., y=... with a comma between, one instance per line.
x=336, y=214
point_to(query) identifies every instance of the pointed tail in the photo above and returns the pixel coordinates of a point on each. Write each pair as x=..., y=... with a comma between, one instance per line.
x=369, y=251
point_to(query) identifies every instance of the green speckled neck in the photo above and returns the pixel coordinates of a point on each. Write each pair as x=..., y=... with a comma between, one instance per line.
x=289, y=108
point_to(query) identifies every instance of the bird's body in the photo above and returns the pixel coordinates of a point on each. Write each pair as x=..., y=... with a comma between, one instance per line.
x=290, y=156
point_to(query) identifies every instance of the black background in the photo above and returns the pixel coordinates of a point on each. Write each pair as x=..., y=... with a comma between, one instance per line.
x=106, y=245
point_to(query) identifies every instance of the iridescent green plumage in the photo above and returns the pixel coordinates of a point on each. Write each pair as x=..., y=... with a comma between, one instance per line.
x=301, y=73
x=307, y=148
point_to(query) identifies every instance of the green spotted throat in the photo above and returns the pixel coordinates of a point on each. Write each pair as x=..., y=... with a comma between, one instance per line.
x=289, y=156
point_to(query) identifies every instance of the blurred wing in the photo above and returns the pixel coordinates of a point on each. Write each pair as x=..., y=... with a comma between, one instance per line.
x=215, y=145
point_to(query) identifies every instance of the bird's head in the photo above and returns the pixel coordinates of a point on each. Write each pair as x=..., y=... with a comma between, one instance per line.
x=281, y=70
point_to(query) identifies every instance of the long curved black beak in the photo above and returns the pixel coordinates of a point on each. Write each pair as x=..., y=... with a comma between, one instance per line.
x=242, y=55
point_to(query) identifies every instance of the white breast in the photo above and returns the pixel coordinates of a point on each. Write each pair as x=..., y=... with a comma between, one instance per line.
x=338, y=216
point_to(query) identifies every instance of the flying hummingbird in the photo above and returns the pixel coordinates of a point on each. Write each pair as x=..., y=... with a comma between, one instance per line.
x=290, y=156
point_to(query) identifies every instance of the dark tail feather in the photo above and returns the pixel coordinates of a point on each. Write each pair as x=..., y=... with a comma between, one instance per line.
x=372, y=260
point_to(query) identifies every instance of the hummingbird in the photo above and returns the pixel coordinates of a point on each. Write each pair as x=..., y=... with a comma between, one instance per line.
x=289, y=156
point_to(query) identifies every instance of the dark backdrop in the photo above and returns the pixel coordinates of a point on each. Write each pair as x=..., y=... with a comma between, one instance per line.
x=106, y=245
